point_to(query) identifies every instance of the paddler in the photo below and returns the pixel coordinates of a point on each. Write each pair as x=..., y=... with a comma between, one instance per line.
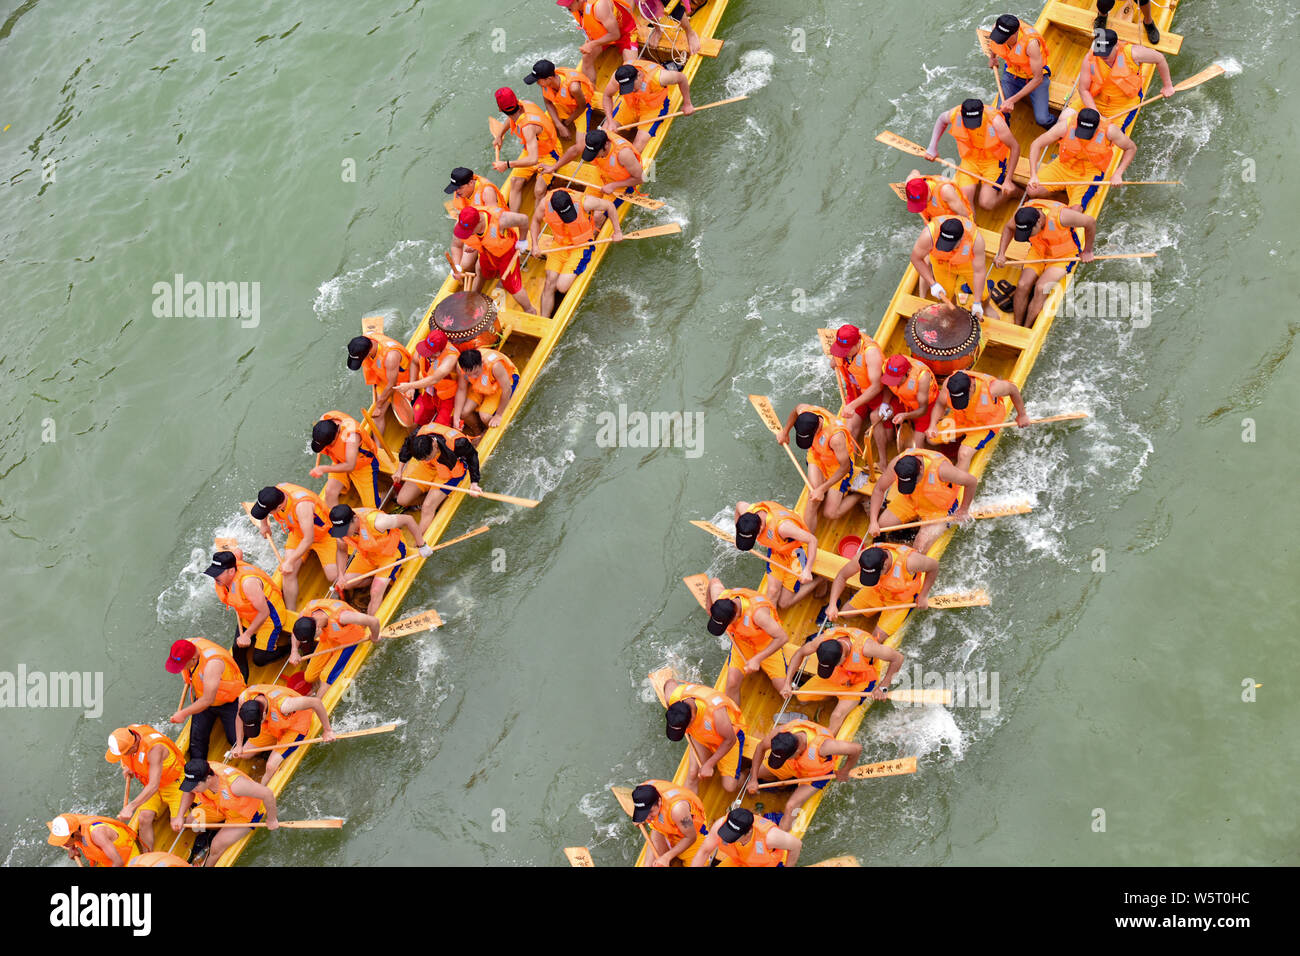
x=436, y=373
x=935, y=197
x=848, y=660
x=758, y=639
x=642, y=86
x=216, y=683
x=571, y=224
x=304, y=515
x=1110, y=79
x=486, y=242
x=1103, y=12
x=789, y=543
x=616, y=160
x=272, y=714
x=801, y=748
x=743, y=839
x=1025, y=74
x=152, y=758
x=888, y=575
x=858, y=361
x=713, y=722
x=353, y=455
x=1086, y=143
x=831, y=473
x=968, y=399
x=100, y=841
x=949, y=260
x=258, y=604
x=488, y=380
x=1048, y=226
x=913, y=390
x=922, y=485
x=606, y=23
x=986, y=148
x=223, y=795
x=436, y=453
x=384, y=363
x=676, y=818
x=567, y=94
x=655, y=14
x=468, y=189
x=374, y=540
x=531, y=124
x=328, y=623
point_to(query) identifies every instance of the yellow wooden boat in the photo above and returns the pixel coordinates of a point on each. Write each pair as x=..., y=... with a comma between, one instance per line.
x=528, y=340
x=1008, y=351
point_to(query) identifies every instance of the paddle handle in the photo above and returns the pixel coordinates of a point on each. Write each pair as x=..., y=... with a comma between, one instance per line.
x=706, y=106
x=490, y=496
x=797, y=467
x=1126, y=182
x=793, y=781
x=386, y=567
x=370, y=731
x=1115, y=255
x=284, y=825
x=634, y=198
x=876, y=610
x=1033, y=421
x=333, y=650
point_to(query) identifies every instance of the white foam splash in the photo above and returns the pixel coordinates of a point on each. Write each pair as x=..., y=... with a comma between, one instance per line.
x=408, y=257
x=754, y=73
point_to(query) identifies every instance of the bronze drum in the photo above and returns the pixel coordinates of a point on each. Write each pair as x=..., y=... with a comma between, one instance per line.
x=944, y=337
x=469, y=319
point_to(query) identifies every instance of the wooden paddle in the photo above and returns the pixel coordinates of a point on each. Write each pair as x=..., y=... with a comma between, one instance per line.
x=490, y=496
x=498, y=130
x=248, y=509
x=698, y=584
x=719, y=533
x=1209, y=73
x=1114, y=255
x=1067, y=417
x=886, y=768
x=915, y=149
x=383, y=729
x=385, y=456
x=763, y=405
x=578, y=856
x=635, y=198
x=329, y=823
x=998, y=511
x=426, y=621
x=389, y=567
x=706, y=106
x=929, y=696
x=940, y=602
x=838, y=861
x=1126, y=182
x=669, y=229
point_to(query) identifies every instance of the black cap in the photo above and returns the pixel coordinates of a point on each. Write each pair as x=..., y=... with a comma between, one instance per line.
x=196, y=771
x=870, y=563
x=358, y=349
x=251, y=714
x=679, y=718
x=595, y=141
x=721, y=613
x=626, y=76
x=340, y=520
x=1086, y=123
x=322, y=433
x=644, y=798
x=268, y=499
x=907, y=470
x=783, y=748
x=805, y=429
x=1007, y=26
x=958, y=386
x=747, y=527
x=1026, y=219
x=739, y=822
x=305, y=628
x=541, y=70
x=950, y=234
x=562, y=203
x=829, y=654
x=1104, y=43
x=459, y=177
x=222, y=562
x=972, y=112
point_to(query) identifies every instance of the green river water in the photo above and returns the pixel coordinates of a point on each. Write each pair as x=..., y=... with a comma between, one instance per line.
x=127, y=440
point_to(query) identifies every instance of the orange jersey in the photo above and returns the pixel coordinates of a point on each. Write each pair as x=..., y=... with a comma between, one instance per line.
x=983, y=408
x=648, y=93
x=275, y=722
x=706, y=701
x=669, y=796
x=754, y=849
x=1086, y=156
x=610, y=167
x=1054, y=240
x=224, y=804
x=961, y=257
x=936, y=207
x=773, y=515
x=568, y=233
x=83, y=826
x=485, y=383
x=812, y=762
x=980, y=145
x=498, y=240
x=853, y=373
x=856, y=666
x=746, y=633
x=379, y=547
x=908, y=392
x=1016, y=54
x=287, y=514
x=374, y=367
x=898, y=585
x=334, y=633
x=1115, y=86
x=530, y=114
x=173, y=766
x=231, y=684
x=479, y=198
x=820, y=453
x=932, y=495
x=562, y=99
x=348, y=426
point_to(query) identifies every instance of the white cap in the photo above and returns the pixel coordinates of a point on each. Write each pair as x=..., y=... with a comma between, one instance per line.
x=112, y=745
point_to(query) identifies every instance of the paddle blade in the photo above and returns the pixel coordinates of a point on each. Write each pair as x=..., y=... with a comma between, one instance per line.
x=886, y=768
x=698, y=584
x=1209, y=73
x=424, y=621
x=898, y=142
x=332, y=823
x=936, y=695
x=838, y=861
x=763, y=405
x=658, y=679
x=225, y=544
x=496, y=127
x=578, y=856
x=372, y=325
x=955, y=599
x=715, y=531
x=1001, y=511
x=668, y=229
x=827, y=337
x=900, y=190
x=624, y=797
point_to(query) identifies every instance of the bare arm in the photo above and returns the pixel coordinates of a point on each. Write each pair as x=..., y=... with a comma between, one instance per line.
x=940, y=126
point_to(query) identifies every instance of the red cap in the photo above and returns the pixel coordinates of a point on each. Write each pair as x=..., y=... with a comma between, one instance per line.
x=466, y=224
x=846, y=340
x=918, y=194
x=896, y=370
x=506, y=100
x=433, y=345
x=179, y=656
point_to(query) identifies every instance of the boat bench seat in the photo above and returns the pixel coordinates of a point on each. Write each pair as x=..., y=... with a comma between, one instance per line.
x=523, y=323
x=709, y=46
x=995, y=330
x=1079, y=21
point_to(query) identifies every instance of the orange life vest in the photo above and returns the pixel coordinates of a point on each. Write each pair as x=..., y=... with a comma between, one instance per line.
x=961, y=257
x=287, y=514
x=753, y=849
x=379, y=547
x=231, y=684
x=334, y=633
x=648, y=93
x=274, y=720
x=1017, y=54
x=483, y=190
x=585, y=14
x=224, y=802
x=669, y=795
x=981, y=144
x=749, y=637
x=706, y=701
x=908, y=392
x=497, y=239
x=936, y=206
x=1117, y=85
x=445, y=387
x=610, y=167
x=820, y=453
x=374, y=366
x=898, y=585
x=1086, y=155
x=83, y=825
x=485, y=382
x=773, y=515
x=173, y=765
x=235, y=597
x=855, y=666
x=812, y=762
x=1053, y=241
x=983, y=408
x=568, y=233
x=853, y=373
x=932, y=496
x=563, y=100
x=337, y=449
x=530, y=114
x=442, y=473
